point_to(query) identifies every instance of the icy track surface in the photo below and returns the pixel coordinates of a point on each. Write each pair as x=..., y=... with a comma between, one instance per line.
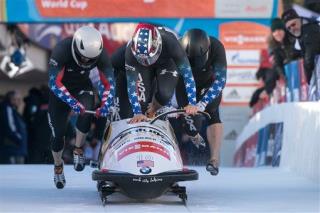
x=31, y=189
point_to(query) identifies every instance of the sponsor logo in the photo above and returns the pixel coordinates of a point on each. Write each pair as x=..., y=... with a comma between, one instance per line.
x=130, y=68
x=64, y=4
x=231, y=135
x=238, y=59
x=69, y=70
x=243, y=57
x=242, y=75
x=247, y=75
x=89, y=92
x=51, y=126
x=244, y=35
x=53, y=62
x=203, y=91
x=233, y=94
x=174, y=72
x=243, y=8
x=145, y=170
x=242, y=39
x=257, y=9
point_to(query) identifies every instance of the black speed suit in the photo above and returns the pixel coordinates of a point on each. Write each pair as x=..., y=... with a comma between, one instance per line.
x=160, y=78
x=70, y=84
x=210, y=81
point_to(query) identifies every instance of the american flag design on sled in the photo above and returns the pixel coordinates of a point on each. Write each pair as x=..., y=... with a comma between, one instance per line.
x=145, y=163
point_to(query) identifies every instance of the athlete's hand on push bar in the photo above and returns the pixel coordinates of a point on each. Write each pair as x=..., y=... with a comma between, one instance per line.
x=191, y=109
x=138, y=118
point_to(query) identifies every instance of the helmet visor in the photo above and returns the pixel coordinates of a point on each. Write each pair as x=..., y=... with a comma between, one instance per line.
x=199, y=61
x=147, y=60
x=82, y=60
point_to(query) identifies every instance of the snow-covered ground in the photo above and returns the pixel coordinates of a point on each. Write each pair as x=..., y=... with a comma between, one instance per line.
x=31, y=189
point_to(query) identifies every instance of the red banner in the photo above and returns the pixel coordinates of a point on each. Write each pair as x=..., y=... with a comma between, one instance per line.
x=126, y=8
x=143, y=146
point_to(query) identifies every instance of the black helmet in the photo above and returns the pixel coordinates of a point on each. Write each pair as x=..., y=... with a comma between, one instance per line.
x=196, y=43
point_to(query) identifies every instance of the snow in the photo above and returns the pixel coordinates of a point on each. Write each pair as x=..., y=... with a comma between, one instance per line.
x=30, y=188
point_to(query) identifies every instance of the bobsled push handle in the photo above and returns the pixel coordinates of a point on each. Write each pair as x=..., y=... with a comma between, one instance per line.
x=90, y=112
x=178, y=111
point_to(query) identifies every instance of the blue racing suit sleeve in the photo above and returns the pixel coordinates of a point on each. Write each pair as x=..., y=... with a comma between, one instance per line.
x=217, y=86
x=180, y=58
x=56, y=72
x=132, y=77
x=106, y=85
x=219, y=69
x=185, y=70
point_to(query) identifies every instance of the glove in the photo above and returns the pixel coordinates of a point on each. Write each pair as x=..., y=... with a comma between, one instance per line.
x=201, y=105
x=102, y=112
x=78, y=108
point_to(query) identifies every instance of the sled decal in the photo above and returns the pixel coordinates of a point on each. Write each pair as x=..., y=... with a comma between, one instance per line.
x=143, y=146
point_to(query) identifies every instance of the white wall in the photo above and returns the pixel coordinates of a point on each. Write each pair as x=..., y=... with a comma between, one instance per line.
x=233, y=119
x=301, y=135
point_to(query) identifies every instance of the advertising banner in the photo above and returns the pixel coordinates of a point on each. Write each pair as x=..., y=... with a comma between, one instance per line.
x=251, y=151
x=126, y=8
x=279, y=92
x=303, y=82
x=262, y=146
x=243, y=58
x=244, y=8
x=293, y=81
x=2, y=10
x=242, y=75
x=243, y=42
x=314, y=88
x=244, y=35
x=277, y=144
x=132, y=10
x=239, y=95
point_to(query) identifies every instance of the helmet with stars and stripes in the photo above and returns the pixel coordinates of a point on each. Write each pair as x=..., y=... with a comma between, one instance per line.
x=146, y=44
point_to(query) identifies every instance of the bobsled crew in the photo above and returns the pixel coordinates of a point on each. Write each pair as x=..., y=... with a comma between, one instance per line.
x=154, y=76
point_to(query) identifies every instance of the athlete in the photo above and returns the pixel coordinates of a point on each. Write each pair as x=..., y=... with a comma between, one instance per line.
x=153, y=61
x=208, y=62
x=72, y=63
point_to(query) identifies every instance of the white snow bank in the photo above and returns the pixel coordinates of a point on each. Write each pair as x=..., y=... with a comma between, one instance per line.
x=301, y=135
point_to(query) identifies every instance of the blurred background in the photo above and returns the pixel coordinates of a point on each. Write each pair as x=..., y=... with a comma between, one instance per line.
x=29, y=29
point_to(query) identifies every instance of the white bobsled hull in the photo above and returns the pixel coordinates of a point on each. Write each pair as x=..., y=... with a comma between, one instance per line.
x=142, y=149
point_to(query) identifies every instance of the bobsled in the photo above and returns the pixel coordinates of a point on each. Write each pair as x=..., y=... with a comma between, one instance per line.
x=141, y=160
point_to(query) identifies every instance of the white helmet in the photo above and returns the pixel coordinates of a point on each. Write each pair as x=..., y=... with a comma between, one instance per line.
x=86, y=46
